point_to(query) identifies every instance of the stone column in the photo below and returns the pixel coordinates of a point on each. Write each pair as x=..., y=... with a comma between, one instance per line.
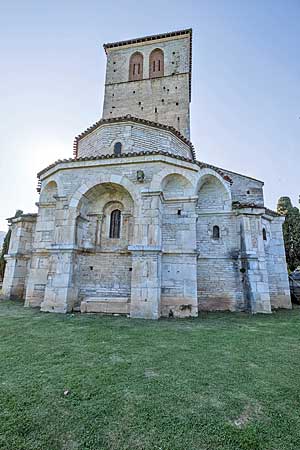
x=146, y=259
x=253, y=258
x=61, y=291
x=18, y=258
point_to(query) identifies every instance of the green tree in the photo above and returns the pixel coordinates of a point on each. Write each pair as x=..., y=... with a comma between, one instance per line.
x=291, y=231
x=5, y=246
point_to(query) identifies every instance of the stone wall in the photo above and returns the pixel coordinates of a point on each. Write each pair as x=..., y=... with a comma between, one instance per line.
x=167, y=261
x=133, y=137
x=104, y=275
x=276, y=264
x=165, y=99
x=19, y=255
x=245, y=189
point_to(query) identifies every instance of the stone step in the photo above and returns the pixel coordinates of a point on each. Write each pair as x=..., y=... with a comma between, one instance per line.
x=105, y=305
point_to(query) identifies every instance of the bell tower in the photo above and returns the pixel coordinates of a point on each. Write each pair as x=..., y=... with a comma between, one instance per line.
x=150, y=78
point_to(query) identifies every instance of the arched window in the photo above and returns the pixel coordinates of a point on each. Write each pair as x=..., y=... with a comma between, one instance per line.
x=216, y=232
x=115, y=224
x=117, y=148
x=264, y=233
x=156, y=63
x=136, y=67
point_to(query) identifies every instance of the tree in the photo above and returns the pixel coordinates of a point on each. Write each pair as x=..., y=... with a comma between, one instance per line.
x=291, y=231
x=5, y=246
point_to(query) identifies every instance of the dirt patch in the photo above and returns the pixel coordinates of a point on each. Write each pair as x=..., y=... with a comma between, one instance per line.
x=250, y=412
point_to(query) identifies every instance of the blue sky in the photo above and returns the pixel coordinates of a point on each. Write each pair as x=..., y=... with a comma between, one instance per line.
x=245, y=112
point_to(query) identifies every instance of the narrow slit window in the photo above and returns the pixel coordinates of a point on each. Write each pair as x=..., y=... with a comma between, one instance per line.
x=264, y=233
x=216, y=232
x=115, y=224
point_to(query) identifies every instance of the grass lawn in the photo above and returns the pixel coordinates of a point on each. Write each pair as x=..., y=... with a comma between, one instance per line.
x=222, y=381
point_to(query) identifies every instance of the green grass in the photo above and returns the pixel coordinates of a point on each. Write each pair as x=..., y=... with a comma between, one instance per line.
x=222, y=381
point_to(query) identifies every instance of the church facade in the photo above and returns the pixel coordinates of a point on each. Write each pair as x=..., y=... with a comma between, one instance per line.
x=134, y=224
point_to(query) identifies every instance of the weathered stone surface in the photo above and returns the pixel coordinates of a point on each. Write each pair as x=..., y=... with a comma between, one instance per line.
x=147, y=235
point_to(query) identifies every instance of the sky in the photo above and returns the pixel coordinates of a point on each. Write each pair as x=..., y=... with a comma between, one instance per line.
x=245, y=110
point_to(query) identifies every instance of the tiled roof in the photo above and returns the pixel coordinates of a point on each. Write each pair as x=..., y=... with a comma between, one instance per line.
x=273, y=213
x=148, y=38
x=155, y=37
x=131, y=155
x=239, y=205
x=129, y=118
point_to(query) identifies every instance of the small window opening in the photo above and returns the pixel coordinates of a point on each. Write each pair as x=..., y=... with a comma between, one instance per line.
x=133, y=92
x=155, y=110
x=115, y=224
x=117, y=148
x=177, y=103
x=264, y=233
x=248, y=192
x=179, y=212
x=91, y=267
x=140, y=103
x=162, y=100
x=216, y=232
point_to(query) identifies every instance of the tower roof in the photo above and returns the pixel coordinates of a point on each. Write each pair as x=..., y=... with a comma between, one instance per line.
x=153, y=37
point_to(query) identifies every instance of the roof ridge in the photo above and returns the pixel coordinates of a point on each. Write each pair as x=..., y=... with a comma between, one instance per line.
x=132, y=154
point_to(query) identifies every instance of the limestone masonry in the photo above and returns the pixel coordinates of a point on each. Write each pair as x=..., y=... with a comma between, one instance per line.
x=134, y=224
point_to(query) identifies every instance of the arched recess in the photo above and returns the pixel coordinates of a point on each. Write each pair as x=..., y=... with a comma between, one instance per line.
x=157, y=182
x=176, y=185
x=156, y=63
x=49, y=192
x=94, y=215
x=213, y=193
x=136, y=66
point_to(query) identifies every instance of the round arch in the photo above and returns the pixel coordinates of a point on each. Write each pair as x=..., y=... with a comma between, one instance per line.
x=114, y=179
x=48, y=192
x=158, y=179
x=205, y=173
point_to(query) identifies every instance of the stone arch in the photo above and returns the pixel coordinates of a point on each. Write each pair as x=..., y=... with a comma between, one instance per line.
x=115, y=179
x=213, y=192
x=158, y=179
x=156, y=63
x=49, y=192
x=136, y=66
x=176, y=185
x=92, y=217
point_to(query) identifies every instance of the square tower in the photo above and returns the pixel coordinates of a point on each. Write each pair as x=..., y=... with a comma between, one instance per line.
x=150, y=78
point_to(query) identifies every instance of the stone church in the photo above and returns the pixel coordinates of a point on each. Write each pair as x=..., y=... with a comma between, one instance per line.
x=134, y=224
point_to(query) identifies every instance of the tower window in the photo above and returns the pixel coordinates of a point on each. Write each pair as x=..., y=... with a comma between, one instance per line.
x=156, y=63
x=136, y=67
x=216, y=232
x=117, y=148
x=264, y=233
x=115, y=224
